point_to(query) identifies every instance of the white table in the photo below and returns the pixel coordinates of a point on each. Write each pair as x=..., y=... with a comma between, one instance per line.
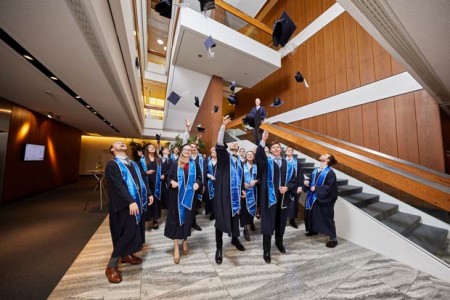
x=99, y=175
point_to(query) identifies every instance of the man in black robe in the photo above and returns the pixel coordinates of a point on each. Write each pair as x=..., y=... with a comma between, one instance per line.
x=166, y=162
x=229, y=188
x=259, y=114
x=322, y=195
x=293, y=204
x=274, y=194
x=127, y=192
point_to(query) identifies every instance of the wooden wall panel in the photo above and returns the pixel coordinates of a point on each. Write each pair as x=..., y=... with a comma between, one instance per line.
x=387, y=129
x=405, y=115
x=370, y=126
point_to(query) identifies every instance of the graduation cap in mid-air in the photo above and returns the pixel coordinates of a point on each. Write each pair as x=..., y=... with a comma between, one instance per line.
x=276, y=102
x=209, y=44
x=283, y=28
x=232, y=86
x=299, y=78
x=215, y=109
x=232, y=99
x=200, y=128
x=164, y=8
x=174, y=98
x=158, y=137
x=197, y=101
x=249, y=119
x=207, y=5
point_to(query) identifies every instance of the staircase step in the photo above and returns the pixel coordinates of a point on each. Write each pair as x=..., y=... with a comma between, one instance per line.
x=380, y=210
x=403, y=223
x=307, y=171
x=346, y=190
x=301, y=160
x=308, y=165
x=341, y=181
x=432, y=239
x=362, y=199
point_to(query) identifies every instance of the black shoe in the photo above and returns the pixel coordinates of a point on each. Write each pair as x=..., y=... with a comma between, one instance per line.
x=252, y=227
x=280, y=247
x=293, y=224
x=246, y=234
x=219, y=256
x=212, y=217
x=331, y=244
x=311, y=233
x=237, y=243
x=155, y=225
x=196, y=227
x=267, y=257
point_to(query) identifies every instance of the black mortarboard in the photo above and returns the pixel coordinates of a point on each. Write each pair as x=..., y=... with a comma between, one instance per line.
x=164, y=8
x=200, y=128
x=283, y=28
x=197, y=102
x=209, y=44
x=215, y=109
x=158, y=137
x=299, y=78
x=232, y=86
x=207, y=4
x=232, y=99
x=174, y=98
x=276, y=102
x=249, y=119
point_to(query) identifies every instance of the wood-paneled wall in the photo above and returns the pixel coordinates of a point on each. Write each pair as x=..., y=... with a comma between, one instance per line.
x=340, y=57
x=62, y=154
x=205, y=116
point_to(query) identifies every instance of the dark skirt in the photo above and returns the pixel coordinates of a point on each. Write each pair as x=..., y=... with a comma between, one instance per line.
x=245, y=217
x=321, y=219
x=173, y=229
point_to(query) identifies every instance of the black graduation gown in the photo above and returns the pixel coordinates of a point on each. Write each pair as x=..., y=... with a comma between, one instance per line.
x=273, y=219
x=210, y=206
x=173, y=229
x=321, y=217
x=126, y=235
x=198, y=203
x=165, y=167
x=293, y=204
x=245, y=217
x=225, y=222
x=154, y=210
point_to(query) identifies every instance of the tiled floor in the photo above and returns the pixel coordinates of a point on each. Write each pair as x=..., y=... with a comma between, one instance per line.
x=308, y=270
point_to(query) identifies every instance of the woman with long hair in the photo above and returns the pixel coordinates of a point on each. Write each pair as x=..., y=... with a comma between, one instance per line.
x=210, y=188
x=184, y=178
x=248, y=204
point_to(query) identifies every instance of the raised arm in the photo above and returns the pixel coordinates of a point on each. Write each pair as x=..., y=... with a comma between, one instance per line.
x=186, y=132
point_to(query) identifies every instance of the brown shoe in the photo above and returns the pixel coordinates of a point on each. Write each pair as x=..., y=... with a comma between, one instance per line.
x=113, y=275
x=134, y=260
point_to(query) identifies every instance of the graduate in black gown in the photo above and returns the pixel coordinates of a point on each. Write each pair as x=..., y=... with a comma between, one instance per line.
x=249, y=203
x=322, y=195
x=184, y=179
x=229, y=189
x=277, y=179
x=150, y=162
x=128, y=197
x=293, y=204
x=175, y=154
x=211, y=168
x=166, y=162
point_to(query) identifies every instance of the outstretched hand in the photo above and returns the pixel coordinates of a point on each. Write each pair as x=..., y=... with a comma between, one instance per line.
x=265, y=135
x=226, y=120
x=187, y=122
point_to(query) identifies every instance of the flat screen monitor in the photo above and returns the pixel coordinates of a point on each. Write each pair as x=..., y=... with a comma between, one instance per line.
x=34, y=152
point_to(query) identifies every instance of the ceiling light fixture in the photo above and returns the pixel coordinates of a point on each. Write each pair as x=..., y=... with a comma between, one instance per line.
x=165, y=48
x=53, y=77
x=77, y=97
x=28, y=57
x=160, y=41
x=52, y=116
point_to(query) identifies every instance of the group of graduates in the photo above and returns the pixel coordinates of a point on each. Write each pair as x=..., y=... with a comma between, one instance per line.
x=236, y=186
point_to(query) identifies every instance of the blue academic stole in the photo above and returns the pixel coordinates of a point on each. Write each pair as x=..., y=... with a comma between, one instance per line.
x=185, y=190
x=291, y=167
x=235, y=185
x=270, y=186
x=140, y=199
x=200, y=163
x=250, y=192
x=211, y=188
x=157, y=192
x=311, y=196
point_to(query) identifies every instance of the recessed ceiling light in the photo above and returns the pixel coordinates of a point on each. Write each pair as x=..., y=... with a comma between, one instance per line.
x=165, y=48
x=53, y=77
x=88, y=106
x=134, y=32
x=48, y=92
x=28, y=57
x=77, y=97
x=95, y=112
x=160, y=41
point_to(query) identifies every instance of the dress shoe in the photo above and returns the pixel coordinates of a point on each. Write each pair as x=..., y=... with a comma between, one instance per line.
x=196, y=227
x=293, y=224
x=280, y=247
x=237, y=243
x=246, y=234
x=331, y=244
x=185, y=250
x=155, y=225
x=176, y=258
x=311, y=233
x=212, y=216
x=252, y=227
x=134, y=260
x=113, y=275
x=219, y=256
x=267, y=257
